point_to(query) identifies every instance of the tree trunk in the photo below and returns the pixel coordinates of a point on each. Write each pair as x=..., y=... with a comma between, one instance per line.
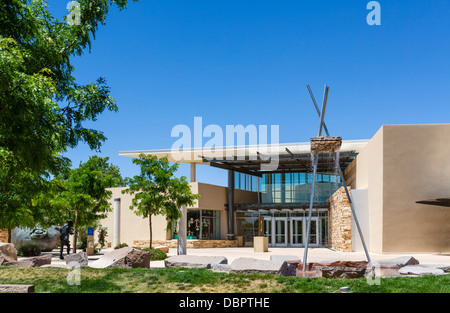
x=9, y=236
x=75, y=232
x=150, y=224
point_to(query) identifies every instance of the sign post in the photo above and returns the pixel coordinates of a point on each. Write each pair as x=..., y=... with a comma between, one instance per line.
x=90, y=241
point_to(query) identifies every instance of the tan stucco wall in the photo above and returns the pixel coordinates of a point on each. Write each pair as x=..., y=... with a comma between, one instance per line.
x=369, y=175
x=134, y=227
x=416, y=167
x=400, y=165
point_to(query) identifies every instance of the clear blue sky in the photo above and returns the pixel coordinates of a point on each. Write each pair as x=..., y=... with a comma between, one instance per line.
x=248, y=62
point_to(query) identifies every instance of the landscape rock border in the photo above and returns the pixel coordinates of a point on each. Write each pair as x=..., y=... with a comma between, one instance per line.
x=194, y=261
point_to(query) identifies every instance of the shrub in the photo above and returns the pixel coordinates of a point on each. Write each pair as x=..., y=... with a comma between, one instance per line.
x=29, y=249
x=155, y=254
x=120, y=245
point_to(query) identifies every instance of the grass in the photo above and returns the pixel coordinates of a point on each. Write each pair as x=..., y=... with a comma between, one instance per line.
x=168, y=280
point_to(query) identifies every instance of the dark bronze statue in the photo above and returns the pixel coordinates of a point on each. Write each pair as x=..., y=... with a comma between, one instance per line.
x=66, y=230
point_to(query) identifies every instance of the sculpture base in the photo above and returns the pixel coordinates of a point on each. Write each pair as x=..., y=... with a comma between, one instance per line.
x=325, y=144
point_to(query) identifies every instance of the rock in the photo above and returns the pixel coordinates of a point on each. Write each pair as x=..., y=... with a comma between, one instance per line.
x=288, y=269
x=164, y=249
x=16, y=288
x=356, y=264
x=220, y=268
x=35, y=261
x=444, y=267
x=48, y=238
x=420, y=270
x=125, y=257
x=397, y=262
x=341, y=271
x=283, y=258
x=55, y=265
x=346, y=269
x=194, y=261
x=251, y=266
x=81, y=258
x=8, y=252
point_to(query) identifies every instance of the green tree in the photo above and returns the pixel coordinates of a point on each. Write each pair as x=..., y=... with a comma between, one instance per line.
x=157, y=191
x=17, y=188
x=43, y=110
x=82, y=195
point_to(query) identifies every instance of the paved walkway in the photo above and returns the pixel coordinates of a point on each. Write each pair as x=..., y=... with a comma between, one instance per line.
x=314, y=255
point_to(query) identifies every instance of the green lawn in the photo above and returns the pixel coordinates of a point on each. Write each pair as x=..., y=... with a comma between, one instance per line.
x=164, y=280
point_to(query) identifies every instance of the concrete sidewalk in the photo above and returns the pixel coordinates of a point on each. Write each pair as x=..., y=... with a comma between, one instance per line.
x=314, y=255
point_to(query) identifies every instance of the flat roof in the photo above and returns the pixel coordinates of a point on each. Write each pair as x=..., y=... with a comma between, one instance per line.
x=248, y=159
x=198, y=155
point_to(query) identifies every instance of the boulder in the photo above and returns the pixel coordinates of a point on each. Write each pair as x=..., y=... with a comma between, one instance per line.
x=283, y=258
x=35, y=261
x=164, y=249
x=16, y=288
x=194, y=261
x=48, y=238
x=397, y=262
x=251, y=266
x=343, y=269
x=125, y=257
x=444, y=267
x=59, y=265
x=8, y=253
x=220, y=268
x=81, y=258
x=421, y=270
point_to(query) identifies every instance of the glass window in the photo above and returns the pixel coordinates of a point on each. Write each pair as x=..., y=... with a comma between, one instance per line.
x=203, y=224
x=247, y=226
x=296, y=187
x=193, y=224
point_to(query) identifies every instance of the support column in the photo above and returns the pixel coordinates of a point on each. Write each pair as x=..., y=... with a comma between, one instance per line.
x=230, y=233
x=269, y=187
x=283, y=187
x=193, y=173
x=116, y=238
x=182, y=232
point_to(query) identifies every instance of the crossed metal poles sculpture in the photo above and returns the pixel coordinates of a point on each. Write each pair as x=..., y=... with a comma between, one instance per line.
x=322, y=126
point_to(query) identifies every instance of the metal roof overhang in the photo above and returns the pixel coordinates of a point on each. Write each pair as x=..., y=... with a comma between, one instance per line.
x=438, y=202
x=290, y=157
x=292, y=163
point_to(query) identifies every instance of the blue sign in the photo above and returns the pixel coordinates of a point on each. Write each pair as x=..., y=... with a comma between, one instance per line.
x=90, y=231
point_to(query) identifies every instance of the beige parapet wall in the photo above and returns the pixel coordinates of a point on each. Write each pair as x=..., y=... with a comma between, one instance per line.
x=400, y=165
x=135, y=228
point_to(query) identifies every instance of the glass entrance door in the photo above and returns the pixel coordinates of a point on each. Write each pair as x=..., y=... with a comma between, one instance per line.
x=314, y=233
x=297, y=228
x=280, y=231
x=283, y=231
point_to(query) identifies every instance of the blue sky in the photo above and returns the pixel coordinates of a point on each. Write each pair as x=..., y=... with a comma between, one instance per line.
x=248, y=62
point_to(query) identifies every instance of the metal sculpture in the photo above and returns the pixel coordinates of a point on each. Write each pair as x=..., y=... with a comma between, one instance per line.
x=322, y=144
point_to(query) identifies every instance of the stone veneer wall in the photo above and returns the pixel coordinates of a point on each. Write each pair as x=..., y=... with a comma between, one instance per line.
x=340, y=221
x=190, y=243
x=3, y=235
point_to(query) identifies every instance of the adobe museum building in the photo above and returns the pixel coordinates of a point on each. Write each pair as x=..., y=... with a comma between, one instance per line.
x=399, y=182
